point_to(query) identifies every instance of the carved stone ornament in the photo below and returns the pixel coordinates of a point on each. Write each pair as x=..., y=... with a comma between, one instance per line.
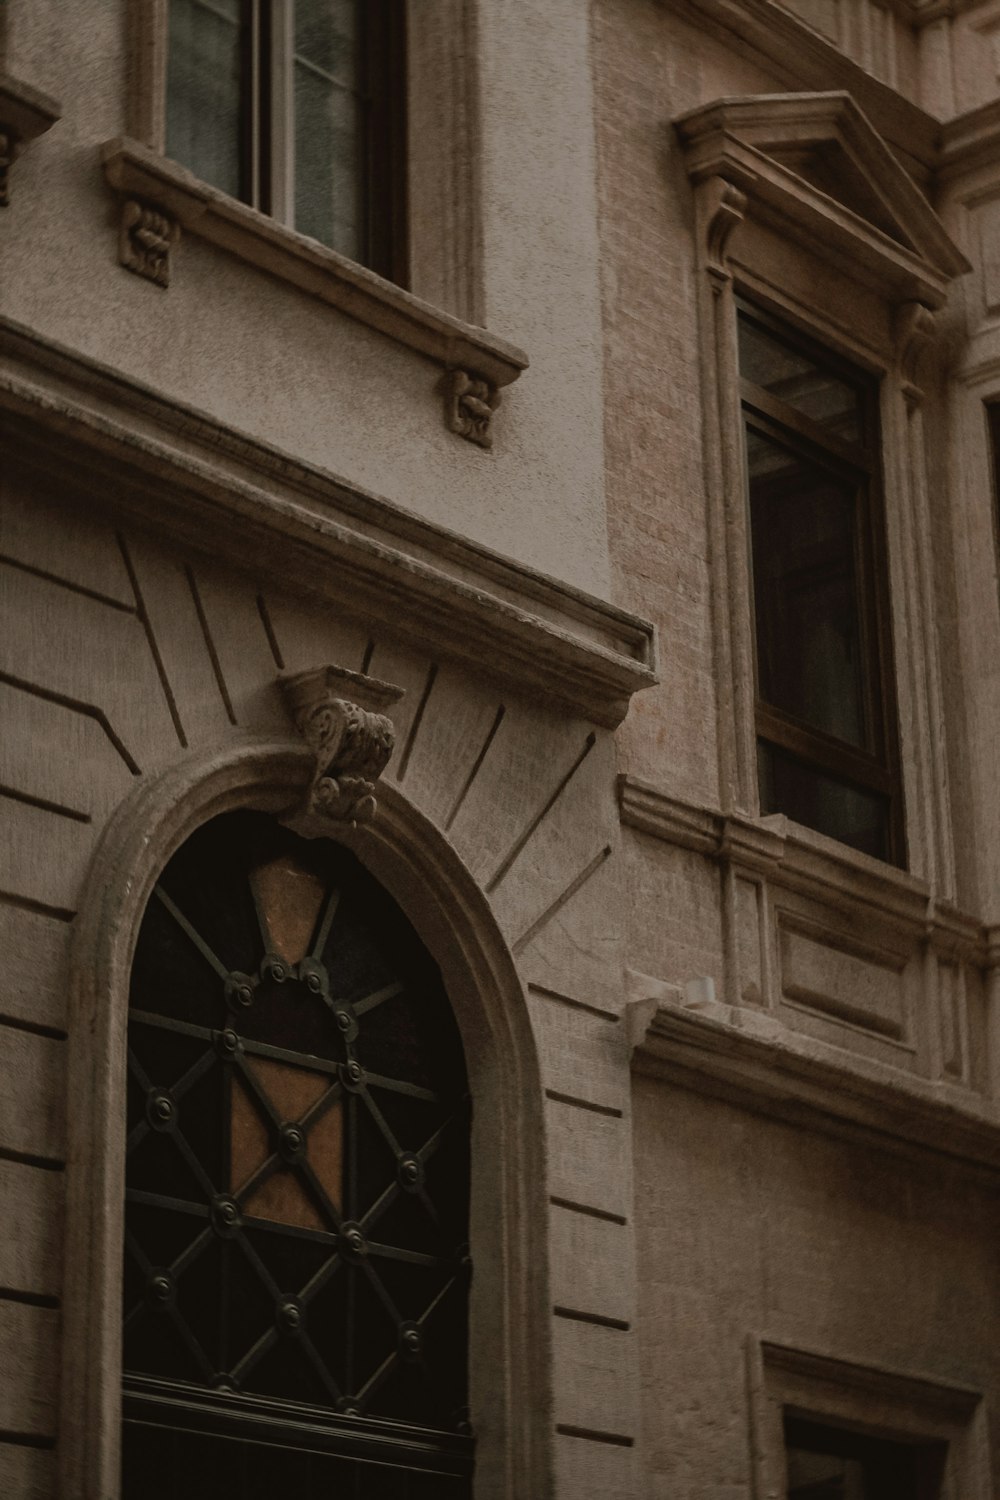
x=340, y=715
x=916, y=328
x=145, y=238
x=724, y=207
x=470, y=402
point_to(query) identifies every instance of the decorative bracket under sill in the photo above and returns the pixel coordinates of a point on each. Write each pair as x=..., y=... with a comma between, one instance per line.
x=25, y=113
x=161, y=198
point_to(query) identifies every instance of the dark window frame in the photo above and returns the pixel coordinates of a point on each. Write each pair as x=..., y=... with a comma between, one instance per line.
x=875, y=769
x=220, y=1408
x=382, y=149
x=899, y=1466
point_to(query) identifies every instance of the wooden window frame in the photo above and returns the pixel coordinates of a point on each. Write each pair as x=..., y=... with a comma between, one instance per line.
x=876, y=770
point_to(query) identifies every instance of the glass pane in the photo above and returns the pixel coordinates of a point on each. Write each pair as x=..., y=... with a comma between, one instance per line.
x=328, y=124
x=851, y=814
x=832, y=1463
x=827, y=399
x=809, y=649
x=205, y=90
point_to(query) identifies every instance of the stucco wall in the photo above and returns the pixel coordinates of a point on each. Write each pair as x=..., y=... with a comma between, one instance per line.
x=748, y=1227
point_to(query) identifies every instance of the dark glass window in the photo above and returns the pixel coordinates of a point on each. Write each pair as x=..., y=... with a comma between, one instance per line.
x=297, y=1185
x=826, y=728
x=298, y=108
x=832, y=1463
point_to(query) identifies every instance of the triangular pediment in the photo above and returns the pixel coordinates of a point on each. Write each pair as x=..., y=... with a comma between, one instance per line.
x=815, y=157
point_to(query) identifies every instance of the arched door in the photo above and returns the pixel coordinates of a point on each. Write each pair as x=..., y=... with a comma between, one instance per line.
x=297, y=1187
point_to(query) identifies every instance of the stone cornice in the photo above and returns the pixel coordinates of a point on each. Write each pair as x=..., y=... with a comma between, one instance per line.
x=144, y=177
x=799, y=859
x=748, y=1059
x=118, y=442
x=969, y=142
x=801, y=57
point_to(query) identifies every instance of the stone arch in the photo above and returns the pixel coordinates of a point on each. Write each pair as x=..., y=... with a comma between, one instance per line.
x=418, y=866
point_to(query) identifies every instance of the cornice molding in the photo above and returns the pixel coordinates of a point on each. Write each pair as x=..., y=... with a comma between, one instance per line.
x=142, y=177
x=799, y=859
x=216, y=490
x=800, y=57
x=747, y=1058
x=868, y=216
x=968, y=143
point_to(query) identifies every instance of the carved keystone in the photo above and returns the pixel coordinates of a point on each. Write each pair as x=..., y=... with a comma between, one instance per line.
x=470, y=402
x=339, y=715
x=145, y=238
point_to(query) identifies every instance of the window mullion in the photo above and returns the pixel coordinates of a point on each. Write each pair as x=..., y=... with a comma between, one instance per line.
x=279, y=84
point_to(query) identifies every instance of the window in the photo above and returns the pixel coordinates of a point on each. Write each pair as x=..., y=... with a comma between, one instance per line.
x=825, y=711
x=839, y=1463
x=297, y=1185
x=297, y=107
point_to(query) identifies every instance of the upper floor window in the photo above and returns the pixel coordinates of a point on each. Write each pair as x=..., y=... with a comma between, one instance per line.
x=827, y=1462
x=297, y=107
x=297, y=1185
x=825, y=701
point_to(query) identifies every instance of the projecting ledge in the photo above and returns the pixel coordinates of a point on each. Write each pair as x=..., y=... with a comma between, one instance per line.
x=752, y=1060
x=178, y=200
x=103, y=438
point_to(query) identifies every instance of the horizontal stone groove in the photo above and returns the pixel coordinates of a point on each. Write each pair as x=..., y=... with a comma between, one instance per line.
x=26, y=1439
x=44, y=805
x=576, y=1315
x=28, y=1159
x=588, y=1209
x=30, y=1299
x=594, y=1435
x=40, y=908
x=65, y=583
x=558, y=999
x=36, y=1028
x=577, y=1103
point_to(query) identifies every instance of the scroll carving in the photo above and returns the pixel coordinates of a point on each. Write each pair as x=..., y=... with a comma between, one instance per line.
x=916, y=328
x=340, y=715
x=145, y=239
x=724, y=208
x=470, y=402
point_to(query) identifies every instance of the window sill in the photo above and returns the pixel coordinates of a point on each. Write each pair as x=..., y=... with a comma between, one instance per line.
x=141, y=175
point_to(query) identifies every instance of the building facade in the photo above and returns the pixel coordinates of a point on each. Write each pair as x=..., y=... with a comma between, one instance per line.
x=522, y=472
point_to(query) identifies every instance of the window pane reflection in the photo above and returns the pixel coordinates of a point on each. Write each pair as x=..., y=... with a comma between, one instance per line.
x=328, y=123
x=856, y=817
x=805, y=590
x=205, y=102
x=826, y=399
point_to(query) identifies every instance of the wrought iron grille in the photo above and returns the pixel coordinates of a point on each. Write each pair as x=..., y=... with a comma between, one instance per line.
x=296, y=1265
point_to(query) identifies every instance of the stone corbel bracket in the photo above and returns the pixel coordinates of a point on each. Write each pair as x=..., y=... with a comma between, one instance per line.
x=722, y=209
x=916, y=328
x=146, y=236
x=341, y=716
x=470, y=402
x=25, y=113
